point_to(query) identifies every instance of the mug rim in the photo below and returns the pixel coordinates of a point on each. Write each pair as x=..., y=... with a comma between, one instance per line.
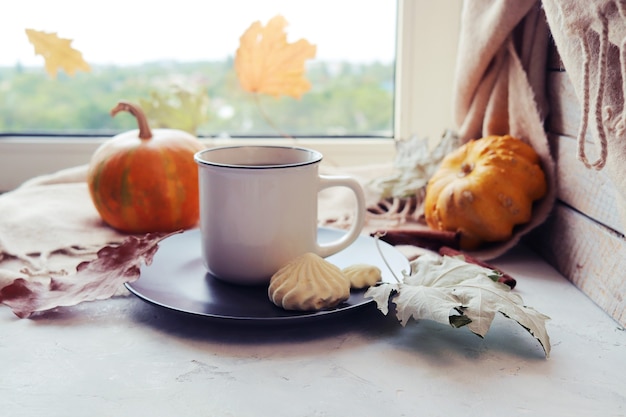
x=315, y=158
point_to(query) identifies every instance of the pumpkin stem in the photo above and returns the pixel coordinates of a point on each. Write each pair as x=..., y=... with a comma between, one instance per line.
x=142, y=122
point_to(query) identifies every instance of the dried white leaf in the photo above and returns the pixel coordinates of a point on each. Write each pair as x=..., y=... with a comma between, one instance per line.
x=452, y=291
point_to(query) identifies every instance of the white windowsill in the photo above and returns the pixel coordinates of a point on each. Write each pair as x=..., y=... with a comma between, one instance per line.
x=22, y=158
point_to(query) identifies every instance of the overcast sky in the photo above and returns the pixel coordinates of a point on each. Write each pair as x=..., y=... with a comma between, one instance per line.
x=134, y=31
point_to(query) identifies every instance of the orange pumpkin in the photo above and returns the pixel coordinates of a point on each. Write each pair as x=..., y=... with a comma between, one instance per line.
x=146, y=180
x=484, y=189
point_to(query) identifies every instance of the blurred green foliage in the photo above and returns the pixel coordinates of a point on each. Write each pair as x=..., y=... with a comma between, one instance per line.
x=346, y=100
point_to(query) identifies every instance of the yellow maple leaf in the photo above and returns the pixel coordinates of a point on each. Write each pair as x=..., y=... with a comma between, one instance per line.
x=57, y=52
x=266, y=63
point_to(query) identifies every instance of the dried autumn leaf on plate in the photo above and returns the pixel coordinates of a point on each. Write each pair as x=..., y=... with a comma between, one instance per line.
x=266, y=63
x=57, y=52
x=94, y=280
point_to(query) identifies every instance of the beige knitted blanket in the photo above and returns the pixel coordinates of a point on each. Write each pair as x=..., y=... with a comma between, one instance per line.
x=499, y=85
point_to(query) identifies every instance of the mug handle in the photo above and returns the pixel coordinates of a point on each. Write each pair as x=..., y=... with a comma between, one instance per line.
x=327, y=181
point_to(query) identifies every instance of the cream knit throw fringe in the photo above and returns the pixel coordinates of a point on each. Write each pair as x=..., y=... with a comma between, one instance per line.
x=591, y=40
x=587, y=24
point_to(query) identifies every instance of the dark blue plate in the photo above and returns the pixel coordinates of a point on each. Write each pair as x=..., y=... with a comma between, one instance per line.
x=177, y=280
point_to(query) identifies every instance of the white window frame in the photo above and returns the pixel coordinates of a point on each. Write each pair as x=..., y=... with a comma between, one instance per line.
x=423, y=90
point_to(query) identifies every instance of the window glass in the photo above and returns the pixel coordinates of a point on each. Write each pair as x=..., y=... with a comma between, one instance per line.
x=167, y=52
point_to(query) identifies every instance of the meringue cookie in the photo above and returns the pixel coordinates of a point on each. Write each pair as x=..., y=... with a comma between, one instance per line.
x=362, y=275
x=308, y=283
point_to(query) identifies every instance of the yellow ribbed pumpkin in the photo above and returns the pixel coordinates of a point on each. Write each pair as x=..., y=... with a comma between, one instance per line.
x=146, y=180
x=484, y=189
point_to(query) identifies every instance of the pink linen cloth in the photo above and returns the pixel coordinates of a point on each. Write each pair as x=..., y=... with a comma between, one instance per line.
x=48, y=226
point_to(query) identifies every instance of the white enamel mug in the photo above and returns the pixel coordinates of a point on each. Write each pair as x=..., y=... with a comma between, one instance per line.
x=258, y=209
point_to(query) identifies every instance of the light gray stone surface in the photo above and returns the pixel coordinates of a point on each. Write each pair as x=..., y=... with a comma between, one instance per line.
x=124, y=357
